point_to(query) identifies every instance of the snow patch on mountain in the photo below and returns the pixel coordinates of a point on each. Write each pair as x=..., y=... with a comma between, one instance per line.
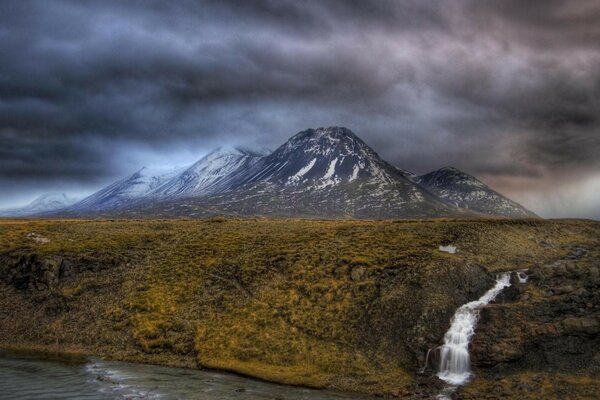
x=355, y=171
x=331, y=169
x=298, y=175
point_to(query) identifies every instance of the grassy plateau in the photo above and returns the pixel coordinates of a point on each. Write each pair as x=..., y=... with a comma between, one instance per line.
x=350, y=305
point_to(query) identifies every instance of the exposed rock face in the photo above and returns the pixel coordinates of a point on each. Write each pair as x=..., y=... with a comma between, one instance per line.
x=40, y=273
x=34, y=273
x=549, y=324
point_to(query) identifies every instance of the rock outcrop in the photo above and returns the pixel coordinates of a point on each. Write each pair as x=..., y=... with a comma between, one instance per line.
x=548, y=326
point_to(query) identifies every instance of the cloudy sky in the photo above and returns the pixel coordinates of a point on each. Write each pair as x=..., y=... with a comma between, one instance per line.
x=508, y=91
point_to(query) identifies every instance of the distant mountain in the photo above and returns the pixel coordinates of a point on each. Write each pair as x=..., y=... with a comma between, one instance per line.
x=42, y=204
x=318, y=173
x=465, y=191
x=123, y=192
x=216, y=172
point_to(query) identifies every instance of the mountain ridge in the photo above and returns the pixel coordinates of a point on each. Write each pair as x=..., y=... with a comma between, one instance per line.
x=317, y=173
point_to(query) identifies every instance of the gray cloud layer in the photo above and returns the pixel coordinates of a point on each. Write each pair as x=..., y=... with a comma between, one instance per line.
x=507, y=90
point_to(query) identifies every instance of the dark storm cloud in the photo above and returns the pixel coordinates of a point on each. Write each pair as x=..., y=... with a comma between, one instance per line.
x=502, y=89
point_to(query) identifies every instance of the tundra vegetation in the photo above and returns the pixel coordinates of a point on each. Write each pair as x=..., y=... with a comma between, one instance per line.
x=351, y=305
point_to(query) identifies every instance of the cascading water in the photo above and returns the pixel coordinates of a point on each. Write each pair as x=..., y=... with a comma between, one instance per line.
x=455, y=363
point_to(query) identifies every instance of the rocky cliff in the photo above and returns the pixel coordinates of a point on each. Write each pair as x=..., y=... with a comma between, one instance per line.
x=544, y=335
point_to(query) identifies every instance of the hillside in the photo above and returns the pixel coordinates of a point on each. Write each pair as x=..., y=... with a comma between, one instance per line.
x=341, y=304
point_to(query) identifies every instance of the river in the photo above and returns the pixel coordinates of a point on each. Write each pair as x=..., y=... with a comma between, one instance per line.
x=32, y=376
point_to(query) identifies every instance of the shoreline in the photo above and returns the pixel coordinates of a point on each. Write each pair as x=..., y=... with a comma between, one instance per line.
x=80, y=357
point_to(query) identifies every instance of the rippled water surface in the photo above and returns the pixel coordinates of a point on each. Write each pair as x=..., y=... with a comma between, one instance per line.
x=25, y=376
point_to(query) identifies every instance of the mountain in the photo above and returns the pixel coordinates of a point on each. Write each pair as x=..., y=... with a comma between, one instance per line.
x=325, y=172
x=44, y=203
x=318, y=173
x=216, y=172
x=123, y=192
x=324, y=157
x=463, y=190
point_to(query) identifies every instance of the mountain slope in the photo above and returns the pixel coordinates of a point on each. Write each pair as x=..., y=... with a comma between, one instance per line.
x=123, y=192
x=44, y=203
x=218, y=171
x=465, y=191
x=213, y=173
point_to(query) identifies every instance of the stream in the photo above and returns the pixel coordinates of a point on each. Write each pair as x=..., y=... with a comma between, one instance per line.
x=33, y=376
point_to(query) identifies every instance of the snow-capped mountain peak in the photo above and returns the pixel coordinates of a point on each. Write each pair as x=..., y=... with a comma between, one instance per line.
x=215, y=172
x=463, y=190
x=50, y=201
x=222, y=151
x=324, y=157
x=325, y=172
x=451, y=175
x=126, y=190
x=44, y=203
x=324, y=142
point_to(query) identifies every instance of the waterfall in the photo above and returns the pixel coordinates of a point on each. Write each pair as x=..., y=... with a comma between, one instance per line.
x=455, y=364
x=522, y=276
x=422, y=370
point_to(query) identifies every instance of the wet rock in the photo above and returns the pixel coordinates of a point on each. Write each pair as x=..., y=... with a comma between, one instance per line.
x=524, y=387
x=106, y=379
x=502, y=352
x=511, y=293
